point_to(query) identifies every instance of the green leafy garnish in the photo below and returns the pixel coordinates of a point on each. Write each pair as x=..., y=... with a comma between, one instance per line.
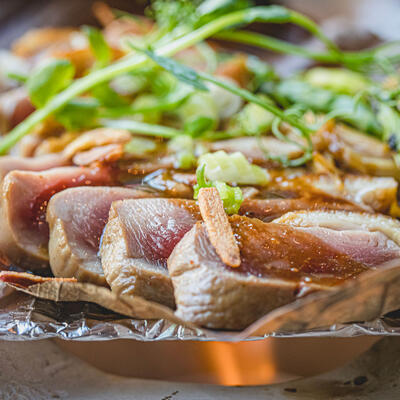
x=98, y=46
x=181, y=25
x=182, y=72
x=232, y=197
x=48, y=80
x=79, y=114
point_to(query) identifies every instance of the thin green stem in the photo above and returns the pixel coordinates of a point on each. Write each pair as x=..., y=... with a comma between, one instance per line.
x=279, y=46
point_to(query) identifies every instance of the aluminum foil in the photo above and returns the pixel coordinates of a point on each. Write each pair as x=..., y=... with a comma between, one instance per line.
x=23, y=317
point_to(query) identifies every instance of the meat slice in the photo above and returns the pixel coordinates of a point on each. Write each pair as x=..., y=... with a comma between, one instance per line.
x=24, y=232
x=76, y=219
x=269, y=209
x=42, y=163
x=344, y=221
x=137, y=241
x=371, y=193
x=278, y=264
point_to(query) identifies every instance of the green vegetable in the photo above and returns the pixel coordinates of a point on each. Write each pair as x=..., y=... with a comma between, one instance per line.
x=231, y=197
x=369, y=60
x=182, y=72
x=140, y=146
x=98, y=46
x=79, y=114
x=337, y=80
x=343, y=107
x=147, y=103
x=262, y=72
x=254, y=119
x=389, y=118
x=172, y=37
x=183, y=147
x=49, y=79
x=199, y=125
x=198, y=113
x=171, y=66
x=358, y=114
x=233, y=168
x=17, y=77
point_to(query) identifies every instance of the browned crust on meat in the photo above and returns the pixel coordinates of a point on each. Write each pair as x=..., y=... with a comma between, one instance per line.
x=218, y=226
x=24, y=280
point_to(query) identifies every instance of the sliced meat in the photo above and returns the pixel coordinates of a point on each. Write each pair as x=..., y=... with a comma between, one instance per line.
x=376, y=193
x=141, y=234
x=278, y=264
x=42, y=163
x=103, y=154
x=356, y=151
x=15, y=106
x=344, y=221
x=269, y=209
x=76, y=219
x=137, y=241
x=95, y=138
x=24, y=232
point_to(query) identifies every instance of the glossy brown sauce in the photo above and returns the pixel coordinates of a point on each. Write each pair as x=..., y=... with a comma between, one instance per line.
x=281, y=251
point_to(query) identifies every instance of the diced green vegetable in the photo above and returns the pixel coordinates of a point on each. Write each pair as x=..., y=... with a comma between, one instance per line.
x=140, y=146
x=147, y=101
x=49, y=79
x=183, y=147
x=337, y=80
x=254, y=119
x=200, y=106
x=232, y=197
x=233, y=168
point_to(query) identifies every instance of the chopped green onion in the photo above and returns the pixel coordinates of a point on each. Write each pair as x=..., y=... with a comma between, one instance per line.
x=232, y=197
x=234, y=168
x=140, y=146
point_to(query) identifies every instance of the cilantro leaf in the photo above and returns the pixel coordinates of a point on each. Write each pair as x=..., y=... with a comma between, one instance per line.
x=79, y=114
x=180, y=71
x=98, y=45
x=49, y=79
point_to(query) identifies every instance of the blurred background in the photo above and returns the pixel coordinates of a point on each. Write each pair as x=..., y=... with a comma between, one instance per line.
x=377, y=18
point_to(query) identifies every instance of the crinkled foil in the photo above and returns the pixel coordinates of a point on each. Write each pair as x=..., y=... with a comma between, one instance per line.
x=23, y=317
